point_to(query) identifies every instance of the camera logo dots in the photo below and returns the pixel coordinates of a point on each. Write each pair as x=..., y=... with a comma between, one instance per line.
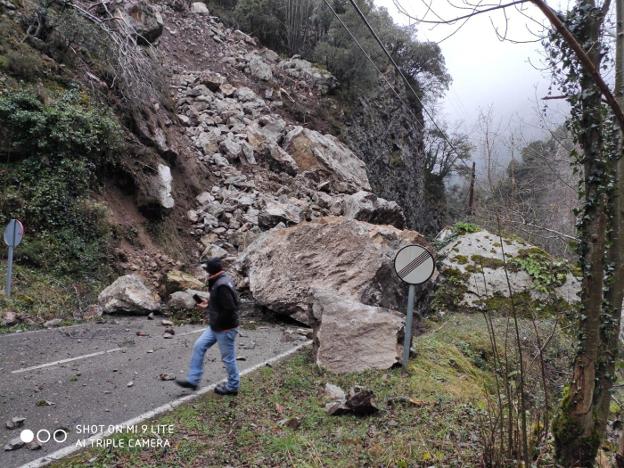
x=27, y=436
x=43, y=436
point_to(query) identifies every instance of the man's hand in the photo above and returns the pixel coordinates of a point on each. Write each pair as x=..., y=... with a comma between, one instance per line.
x=202, y=305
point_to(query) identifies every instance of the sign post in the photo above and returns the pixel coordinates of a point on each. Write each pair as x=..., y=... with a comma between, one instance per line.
x=415, y=265
x=13, y=234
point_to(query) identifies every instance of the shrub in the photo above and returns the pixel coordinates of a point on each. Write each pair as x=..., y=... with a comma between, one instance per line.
x=54, y=152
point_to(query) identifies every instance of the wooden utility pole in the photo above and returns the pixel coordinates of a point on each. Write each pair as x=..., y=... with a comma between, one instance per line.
x=473, y=175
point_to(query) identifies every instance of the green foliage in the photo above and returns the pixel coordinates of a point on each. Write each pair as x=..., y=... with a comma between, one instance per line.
x=264, y=19
x=543, y=270
x=309, y=28
x=53, y=155
x=462, y=228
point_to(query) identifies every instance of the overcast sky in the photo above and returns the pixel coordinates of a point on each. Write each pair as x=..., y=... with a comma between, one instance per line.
x=487, y=72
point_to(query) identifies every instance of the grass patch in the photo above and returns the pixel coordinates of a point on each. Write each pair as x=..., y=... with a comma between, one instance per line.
x=449, y=377
x=38, y=296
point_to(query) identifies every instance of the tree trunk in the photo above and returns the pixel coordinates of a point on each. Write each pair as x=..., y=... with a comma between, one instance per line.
x=615, y=257
x=577, y=436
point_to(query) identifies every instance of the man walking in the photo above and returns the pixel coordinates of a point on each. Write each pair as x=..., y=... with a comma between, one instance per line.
x=223, y=307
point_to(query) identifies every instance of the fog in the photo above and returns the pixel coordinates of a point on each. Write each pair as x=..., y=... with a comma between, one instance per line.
x=507, y=77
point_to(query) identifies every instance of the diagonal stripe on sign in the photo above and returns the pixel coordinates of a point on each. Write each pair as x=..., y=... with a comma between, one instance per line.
x=411, y=266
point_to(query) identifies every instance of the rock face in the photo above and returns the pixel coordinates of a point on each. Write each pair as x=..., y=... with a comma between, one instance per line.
x=366, y=206
x=128, y=294
x=472, y=274
x=351, y=337
x=353, y=258
x=387, y=140
x=313, y=151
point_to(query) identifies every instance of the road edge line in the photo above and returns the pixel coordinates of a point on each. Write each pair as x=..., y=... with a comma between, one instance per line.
x=70, y=449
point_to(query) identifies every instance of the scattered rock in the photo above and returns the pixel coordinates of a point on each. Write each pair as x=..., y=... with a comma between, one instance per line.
x=301, y=69
x=166, y=323
x=212, y=80
x=181, y=300
x=166, y=377
x=359, y=401
x=176, y=280
x=143, y=19
x=227, y=89
x=14, y=444
x=130, y=384
x=199, y=8
x=292, y=423
x=33, y=445
x=313, y=151
x=128, y=294
x=258, y=68
x=366, y=206
x=9, y=318
x=276, y=213
x=44, y=403
x=53, y=323
x=334, y=392
x=15, y=422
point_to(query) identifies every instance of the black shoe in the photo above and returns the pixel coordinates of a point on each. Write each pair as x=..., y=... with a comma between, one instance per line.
x=186, y=384
x=221, y=389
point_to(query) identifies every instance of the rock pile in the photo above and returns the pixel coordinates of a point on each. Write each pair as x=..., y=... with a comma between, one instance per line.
x=271, y=173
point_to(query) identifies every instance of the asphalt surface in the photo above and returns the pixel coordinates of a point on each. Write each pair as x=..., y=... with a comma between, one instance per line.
x=105, y=374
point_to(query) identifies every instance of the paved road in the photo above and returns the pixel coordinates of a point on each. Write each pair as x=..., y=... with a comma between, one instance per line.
x=85, y=371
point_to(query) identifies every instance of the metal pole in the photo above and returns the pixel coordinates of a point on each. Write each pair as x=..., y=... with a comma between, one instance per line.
x=7, y=290
x=407, y=341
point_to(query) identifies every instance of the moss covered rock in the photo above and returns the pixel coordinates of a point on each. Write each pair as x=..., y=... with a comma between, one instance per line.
x=472, y=271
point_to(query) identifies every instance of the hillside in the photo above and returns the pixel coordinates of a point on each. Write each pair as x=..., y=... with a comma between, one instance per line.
x=204, y=114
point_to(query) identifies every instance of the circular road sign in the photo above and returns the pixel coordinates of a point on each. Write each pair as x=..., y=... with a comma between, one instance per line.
x=13, y=233
x=414, y=264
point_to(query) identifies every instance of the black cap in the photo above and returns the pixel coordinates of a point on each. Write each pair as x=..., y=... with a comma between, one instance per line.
x=214, y=265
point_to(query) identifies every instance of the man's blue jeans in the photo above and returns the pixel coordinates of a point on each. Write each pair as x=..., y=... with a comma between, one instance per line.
x=227, y=346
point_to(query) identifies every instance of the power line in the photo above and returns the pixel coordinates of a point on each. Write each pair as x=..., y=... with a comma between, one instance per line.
x=357, y=42
x=398, y=69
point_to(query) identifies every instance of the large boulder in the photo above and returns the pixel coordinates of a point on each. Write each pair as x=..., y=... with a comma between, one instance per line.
x=129, y=294
x=313, y=151
x=351, y=257
x=366, y=206
x=351, y=337
x=472, y=273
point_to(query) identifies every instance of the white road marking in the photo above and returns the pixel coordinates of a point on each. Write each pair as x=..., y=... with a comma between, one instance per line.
x=63, y=361
x=84, y=356
x=191, y=332
x=75, y=447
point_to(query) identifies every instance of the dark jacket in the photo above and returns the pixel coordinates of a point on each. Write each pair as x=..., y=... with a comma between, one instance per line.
x=224, y=304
